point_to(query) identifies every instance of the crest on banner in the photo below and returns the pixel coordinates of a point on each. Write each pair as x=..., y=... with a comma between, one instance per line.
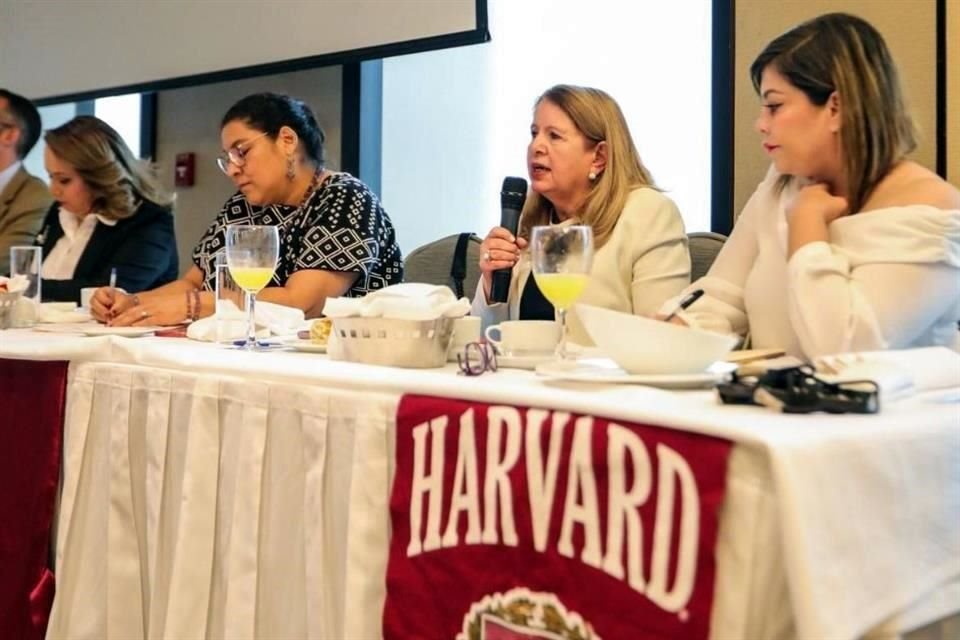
x=521, y=614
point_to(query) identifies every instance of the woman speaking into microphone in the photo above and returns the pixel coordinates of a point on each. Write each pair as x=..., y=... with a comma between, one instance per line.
x=584, y=169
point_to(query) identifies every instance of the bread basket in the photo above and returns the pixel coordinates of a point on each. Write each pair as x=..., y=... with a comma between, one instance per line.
x=8, y=300
x=414, y=344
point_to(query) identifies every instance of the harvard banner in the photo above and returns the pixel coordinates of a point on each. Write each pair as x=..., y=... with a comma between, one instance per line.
x=518, y=523
x=32, y=398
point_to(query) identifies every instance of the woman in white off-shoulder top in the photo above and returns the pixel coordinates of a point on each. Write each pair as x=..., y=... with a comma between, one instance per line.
x=846, y=245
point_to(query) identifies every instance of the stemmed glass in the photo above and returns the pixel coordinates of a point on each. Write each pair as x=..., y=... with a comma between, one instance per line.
x=252, y=253
x=562, y=257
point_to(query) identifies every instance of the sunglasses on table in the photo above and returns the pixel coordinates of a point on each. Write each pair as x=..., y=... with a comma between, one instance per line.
x=799, y=390
x=477, y=357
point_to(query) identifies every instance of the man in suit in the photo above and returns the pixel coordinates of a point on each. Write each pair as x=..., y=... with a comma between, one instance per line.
x=24, y=199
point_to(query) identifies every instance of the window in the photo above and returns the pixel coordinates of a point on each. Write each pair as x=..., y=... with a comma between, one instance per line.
x=123, y=113
x=455, y=122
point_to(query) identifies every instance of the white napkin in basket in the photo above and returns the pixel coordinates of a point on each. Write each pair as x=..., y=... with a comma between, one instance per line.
x=17, y=283
x=405, y=301
x=899, y=373
x=232, y=323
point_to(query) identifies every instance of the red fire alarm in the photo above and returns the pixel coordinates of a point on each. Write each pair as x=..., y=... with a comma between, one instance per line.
x=183, y=170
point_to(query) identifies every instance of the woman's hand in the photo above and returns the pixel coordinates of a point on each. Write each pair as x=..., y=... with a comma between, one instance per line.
x=499, y=250
x=816, y=199
x=810, y=214
x=107, y=302
x=162, y=310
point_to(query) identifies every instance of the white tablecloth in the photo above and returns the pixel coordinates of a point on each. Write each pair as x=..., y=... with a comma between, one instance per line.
x=209, y=492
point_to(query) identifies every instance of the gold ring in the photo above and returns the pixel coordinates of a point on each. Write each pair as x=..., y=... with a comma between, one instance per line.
x=144, y=315
x=486, y=256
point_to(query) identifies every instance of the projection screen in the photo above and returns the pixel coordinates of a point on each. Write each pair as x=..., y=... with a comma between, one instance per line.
x=56, y=50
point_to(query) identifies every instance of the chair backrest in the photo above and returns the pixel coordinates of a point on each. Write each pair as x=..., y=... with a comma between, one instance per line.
x=704, y=247
x=434, y=263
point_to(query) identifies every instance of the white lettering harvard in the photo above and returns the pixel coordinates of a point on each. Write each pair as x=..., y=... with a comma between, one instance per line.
x=619, y=553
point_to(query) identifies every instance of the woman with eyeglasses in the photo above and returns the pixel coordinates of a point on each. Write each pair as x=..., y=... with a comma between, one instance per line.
x=335, y=238
x=110, y=215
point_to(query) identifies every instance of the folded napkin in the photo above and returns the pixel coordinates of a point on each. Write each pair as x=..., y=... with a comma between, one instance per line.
x=899, y=374
x=405, y=301
x=61, y=313
x=231, y=323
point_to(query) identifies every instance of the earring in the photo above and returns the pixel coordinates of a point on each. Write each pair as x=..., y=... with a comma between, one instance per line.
x=291, y=168
x=592, y=176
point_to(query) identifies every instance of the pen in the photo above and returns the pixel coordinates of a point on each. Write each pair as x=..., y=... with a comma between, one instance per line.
x=113, y=293
x=685, y=302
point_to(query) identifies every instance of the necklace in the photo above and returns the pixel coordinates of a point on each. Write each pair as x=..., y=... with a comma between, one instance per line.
x=314, y=182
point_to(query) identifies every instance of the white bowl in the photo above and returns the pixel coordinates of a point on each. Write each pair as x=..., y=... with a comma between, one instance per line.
x=642, y=345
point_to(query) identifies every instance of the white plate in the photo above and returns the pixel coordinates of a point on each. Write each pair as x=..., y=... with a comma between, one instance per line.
x=607, y=372
x=95, y=329
x=127, y=332
x=307, y=346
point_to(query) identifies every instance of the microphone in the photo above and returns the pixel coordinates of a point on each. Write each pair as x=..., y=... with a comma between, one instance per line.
x=512, y=195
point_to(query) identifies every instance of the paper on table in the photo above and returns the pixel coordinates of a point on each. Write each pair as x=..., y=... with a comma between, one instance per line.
x=751, y=355
x=898, y=373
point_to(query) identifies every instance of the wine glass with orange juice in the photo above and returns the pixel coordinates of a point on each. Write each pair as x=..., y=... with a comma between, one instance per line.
x=561, y=257
x=252, y=252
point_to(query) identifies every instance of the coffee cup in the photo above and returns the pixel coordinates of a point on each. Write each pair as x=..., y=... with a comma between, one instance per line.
x=524, y=337
x=86, y=294
x=465, y=330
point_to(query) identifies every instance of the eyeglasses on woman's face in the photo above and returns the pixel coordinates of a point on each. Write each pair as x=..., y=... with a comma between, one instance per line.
x=237, y=154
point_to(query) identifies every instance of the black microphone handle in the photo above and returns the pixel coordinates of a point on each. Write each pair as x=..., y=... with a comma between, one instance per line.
x=500, y=287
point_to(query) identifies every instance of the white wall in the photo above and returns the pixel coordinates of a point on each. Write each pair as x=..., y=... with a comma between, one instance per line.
x=189, y=120
x=50, y=118
x=910, y=34
x=457, y=121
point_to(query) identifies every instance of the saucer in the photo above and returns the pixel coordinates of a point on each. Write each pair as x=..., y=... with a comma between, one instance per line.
x=605, y=371
x=307, y=346
x=526, y=361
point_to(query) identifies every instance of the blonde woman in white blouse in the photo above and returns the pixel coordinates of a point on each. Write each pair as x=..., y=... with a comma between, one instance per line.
x=585, y=169
x=846, y=245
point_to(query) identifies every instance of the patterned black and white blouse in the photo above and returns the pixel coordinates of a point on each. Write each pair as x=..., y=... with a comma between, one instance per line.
x=342, y=228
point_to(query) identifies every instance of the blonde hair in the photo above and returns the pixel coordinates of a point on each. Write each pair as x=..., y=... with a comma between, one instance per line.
x=106, y=165
x=841, y=53
x=598, y=117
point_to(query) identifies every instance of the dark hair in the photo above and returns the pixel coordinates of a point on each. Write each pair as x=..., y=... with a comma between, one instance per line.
x=268, y=112
x=841, y=53
x=27, y=119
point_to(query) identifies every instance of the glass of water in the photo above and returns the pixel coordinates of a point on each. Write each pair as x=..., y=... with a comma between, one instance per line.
x=26, y=261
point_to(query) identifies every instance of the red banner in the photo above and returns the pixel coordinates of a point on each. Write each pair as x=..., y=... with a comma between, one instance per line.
x=513, y=523
x=31, y=426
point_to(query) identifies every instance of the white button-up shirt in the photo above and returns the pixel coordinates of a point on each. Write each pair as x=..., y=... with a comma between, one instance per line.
x=63, y=259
